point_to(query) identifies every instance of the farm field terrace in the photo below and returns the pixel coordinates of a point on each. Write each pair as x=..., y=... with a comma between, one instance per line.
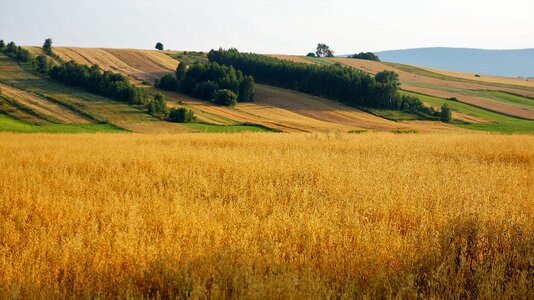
x=266, y=215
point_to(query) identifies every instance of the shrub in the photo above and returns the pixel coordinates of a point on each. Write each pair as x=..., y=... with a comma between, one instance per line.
x=159, y=46
x=246, y=89
x=181, y=70
x=366, y=56
x=446, y=113
x=167, y=82
x=404, y=131
x=226, y=98
x=311, y=54
x=11, y=48
x=23, y=55
x=181, y=115
x=41, y=64
x=158, y=107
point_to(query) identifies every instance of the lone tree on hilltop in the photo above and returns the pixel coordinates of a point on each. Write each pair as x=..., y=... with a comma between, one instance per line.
x=446, y=113
x=323, y=50
x=159, y=46
x=47, y=46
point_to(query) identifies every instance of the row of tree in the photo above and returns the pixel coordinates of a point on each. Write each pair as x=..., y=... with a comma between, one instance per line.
x=348, y=85
x=94, y=80
x=106, y=83
x=16, y=52
x=223, y=85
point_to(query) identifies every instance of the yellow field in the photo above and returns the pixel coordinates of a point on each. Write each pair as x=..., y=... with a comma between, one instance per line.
x=266, y=216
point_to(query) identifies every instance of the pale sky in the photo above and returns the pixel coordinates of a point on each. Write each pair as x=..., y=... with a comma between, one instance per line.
x=274, y=26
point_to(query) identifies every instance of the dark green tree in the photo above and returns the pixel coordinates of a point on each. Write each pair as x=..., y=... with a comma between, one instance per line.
x=366, y=56
x=2, y=44
x=246, y=89
x=42, y=65
x=11, y=48
x=205, y=90
x=23, y=55
x=181, y=115
x=167, y=82
x=446, y=113
x=311, y=54
x=225, y=98
x=181, y=70
x=159, y=46
x=158, y=106
x=47, y=46
x=324, y=50
x=388, y=77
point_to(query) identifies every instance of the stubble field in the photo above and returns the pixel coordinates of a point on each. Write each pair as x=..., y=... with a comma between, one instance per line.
x=266, y=216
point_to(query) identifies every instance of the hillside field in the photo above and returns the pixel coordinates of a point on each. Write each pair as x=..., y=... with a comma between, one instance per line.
x=266, y=215
x=274, y=108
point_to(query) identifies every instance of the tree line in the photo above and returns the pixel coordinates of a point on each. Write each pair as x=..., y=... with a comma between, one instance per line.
x=366, y=56
x=92, y=79
x=347, y=85
x=15, y=52
x=221, y=84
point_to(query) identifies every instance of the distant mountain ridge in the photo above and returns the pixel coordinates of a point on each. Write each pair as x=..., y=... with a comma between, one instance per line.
x=510, y=63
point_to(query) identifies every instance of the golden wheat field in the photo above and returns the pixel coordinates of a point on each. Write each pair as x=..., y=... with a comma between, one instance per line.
x=292, y=216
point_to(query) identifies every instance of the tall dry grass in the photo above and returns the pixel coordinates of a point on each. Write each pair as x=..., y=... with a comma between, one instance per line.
x=266, y=216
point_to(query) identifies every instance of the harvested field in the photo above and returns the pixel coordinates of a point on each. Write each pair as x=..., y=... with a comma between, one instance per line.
x=477, y=101
x=56, y=112
x=141, y=65
x=525, y=82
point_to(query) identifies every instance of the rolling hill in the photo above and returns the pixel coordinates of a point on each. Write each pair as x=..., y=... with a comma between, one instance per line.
x=483, y=103
x=274, y=108
x=511, y=63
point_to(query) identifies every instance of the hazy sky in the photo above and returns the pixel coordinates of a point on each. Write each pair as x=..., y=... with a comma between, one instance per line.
x=274, y=26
